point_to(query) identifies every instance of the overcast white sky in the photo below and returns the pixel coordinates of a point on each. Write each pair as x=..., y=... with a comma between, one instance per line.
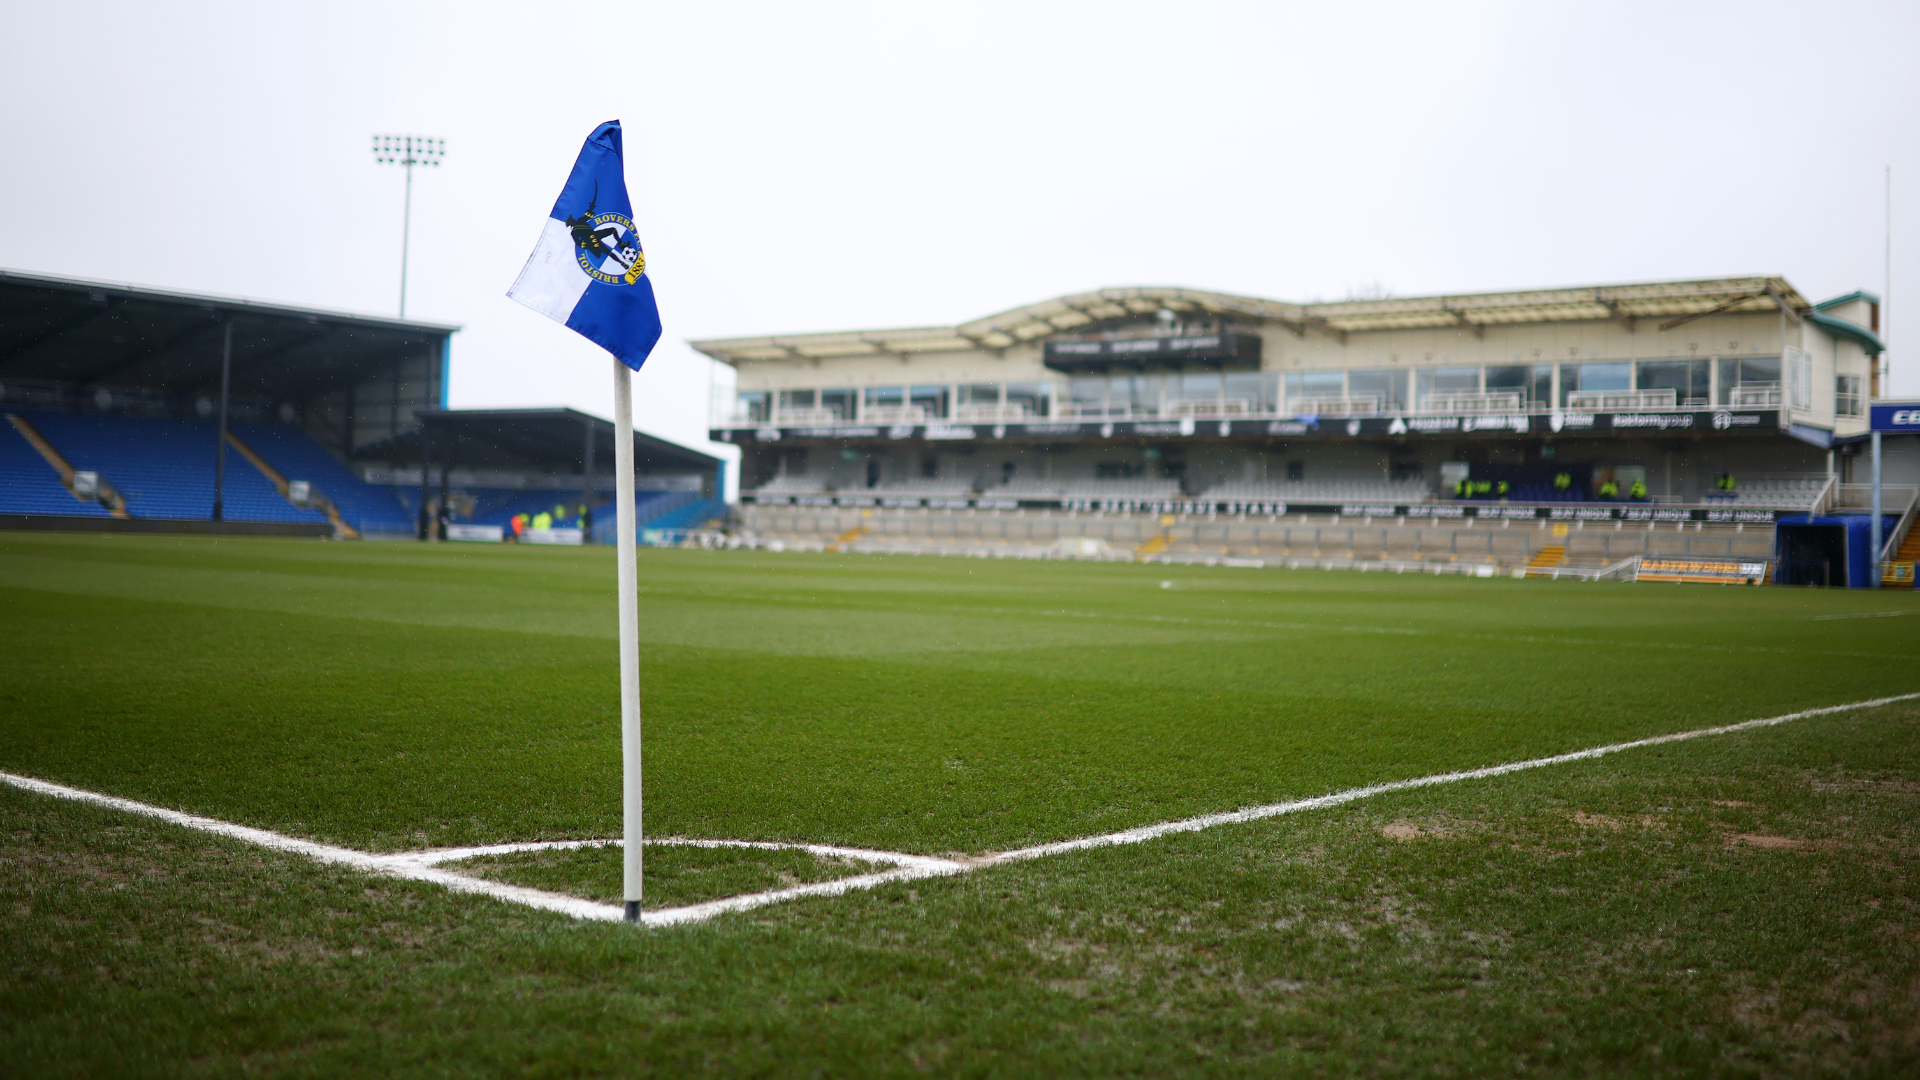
x=822, y=166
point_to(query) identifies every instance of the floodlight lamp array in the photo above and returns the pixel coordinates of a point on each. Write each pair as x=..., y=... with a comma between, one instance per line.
x=408, y=149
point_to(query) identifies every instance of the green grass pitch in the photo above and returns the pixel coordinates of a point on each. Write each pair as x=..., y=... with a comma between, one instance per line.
x=1737, y=905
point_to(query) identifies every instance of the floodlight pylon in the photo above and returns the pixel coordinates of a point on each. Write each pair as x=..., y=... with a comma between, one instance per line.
x=407, y=151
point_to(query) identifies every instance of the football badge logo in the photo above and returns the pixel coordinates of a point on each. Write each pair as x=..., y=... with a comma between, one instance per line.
x=606, y=245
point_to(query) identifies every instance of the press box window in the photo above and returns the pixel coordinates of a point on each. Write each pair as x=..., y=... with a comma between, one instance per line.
x=1533, y=382
x=1315, y=384
x=930, y=400
x=1432, y=382
x=1035, y=397
x=1387, y=387
x=1686, y=378
x=837, y=403
x=752, y=406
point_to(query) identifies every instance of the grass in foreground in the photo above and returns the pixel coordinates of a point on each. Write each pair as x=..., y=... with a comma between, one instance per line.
x=1738, y=906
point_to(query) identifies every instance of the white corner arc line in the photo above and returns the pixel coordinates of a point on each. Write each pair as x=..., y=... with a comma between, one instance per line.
x=422, y=865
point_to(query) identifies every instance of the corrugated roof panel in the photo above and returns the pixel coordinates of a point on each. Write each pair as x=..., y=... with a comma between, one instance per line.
x=1641, y=300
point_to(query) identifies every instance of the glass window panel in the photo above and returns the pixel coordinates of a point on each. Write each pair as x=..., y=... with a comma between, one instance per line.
x=796, y=399
x=885, y=396
x=931, y=399
x=980, y=394
x=1759, y=369
x=1036, y=396
x=1508, y=377
x=753, y=406
x=1616, y=376
x=1315, y=384
x=1847, y=397
x=840, y=402
x=1533, y=382
x=1250, y=389
x=1386, y=385
x=1087, y=391
x=1200, y=386
x=1674, y=375
x=1446, y=380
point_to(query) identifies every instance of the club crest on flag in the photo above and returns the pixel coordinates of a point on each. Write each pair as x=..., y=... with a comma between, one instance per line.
x=607, y=246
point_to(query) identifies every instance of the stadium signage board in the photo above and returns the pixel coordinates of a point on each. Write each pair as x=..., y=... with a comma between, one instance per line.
x=1896, y=417
x=479, y=534
x=1130, y=352
x=1721, y=421
x=1440, y=512
x=1702, y=571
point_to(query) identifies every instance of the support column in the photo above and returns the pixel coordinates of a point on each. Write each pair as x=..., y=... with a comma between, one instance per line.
x=220, y=444
x=586, y=480
x=426, y=459
x=446, y=465
x=1873, y=581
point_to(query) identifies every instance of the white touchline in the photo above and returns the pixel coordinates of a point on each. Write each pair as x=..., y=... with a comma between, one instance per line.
x=425, y=865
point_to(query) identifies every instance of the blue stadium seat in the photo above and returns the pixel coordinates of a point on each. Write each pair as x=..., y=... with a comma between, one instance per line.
x=164, y=468
x=369, y=508
x=28, y=485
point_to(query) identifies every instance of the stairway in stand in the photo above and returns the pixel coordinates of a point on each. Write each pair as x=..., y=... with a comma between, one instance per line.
x=1547, y=558
x=1898, y=572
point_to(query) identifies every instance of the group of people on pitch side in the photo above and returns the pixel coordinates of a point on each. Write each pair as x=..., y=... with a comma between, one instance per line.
x=519, y=524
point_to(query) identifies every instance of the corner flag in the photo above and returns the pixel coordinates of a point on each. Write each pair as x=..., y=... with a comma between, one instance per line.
x=588, y=272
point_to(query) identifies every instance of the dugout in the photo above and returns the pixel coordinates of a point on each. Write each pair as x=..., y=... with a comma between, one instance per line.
x=1827, y=549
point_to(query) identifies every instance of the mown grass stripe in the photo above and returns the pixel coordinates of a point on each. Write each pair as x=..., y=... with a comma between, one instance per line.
x=420, y=866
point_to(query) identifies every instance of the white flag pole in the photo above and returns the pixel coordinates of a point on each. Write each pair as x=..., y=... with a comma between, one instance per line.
x=629, y=636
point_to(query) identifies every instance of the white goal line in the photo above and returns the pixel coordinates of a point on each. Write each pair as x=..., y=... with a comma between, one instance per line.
x=426, y=865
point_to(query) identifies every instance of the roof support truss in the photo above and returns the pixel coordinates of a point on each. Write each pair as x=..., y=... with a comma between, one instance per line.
x=1479, y=329
x=1733, y=303
x=67, y=327
x=1785, y=307
x=160, y=348
x=1615, y=310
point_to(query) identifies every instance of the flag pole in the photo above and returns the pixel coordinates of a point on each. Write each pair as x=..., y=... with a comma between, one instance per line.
x=629, y=636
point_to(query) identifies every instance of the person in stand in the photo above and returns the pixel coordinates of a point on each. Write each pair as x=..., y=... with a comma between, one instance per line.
x=1501, y=489
x=1562, y=482
x=1609, y=490
x=1462, y=488
x=1724, y=482
x=542, y=521
x=1638, y=492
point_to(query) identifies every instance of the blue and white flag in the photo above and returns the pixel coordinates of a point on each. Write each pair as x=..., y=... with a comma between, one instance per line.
x=588, y=270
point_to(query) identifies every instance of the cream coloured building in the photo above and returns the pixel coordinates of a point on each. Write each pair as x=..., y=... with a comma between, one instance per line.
x=1173, y=393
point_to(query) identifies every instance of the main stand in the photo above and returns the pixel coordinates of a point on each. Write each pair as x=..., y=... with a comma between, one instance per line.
x=624, y=526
